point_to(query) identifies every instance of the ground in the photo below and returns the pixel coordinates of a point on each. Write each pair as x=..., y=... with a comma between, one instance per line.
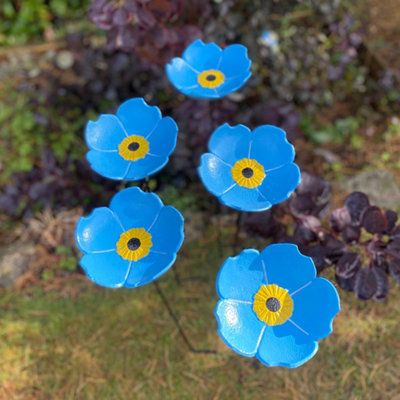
x=87, y=342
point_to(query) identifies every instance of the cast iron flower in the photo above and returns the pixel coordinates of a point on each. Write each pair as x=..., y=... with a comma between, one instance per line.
x=273, y=307
x=132, y=242
x=205, y=71
x=249, y=170
x=134, y=143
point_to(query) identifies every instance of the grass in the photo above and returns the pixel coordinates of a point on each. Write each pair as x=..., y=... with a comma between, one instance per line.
x=91, y=343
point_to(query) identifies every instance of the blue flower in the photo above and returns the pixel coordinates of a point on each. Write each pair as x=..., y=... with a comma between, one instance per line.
x=249, y=171
x=132, y=242
x=207, y=72
x=273, y=307
x=269, y=39
x=134, y=143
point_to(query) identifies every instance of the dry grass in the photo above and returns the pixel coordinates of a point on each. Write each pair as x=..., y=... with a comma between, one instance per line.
x=121, y=344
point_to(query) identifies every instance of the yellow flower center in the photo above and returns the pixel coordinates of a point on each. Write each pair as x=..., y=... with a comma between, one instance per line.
x=134, y=244
x=248, y=173
x=211, y=78
x=272, y=304
x=133, y=148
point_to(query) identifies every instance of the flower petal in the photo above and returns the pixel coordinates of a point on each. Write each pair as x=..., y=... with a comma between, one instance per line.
x=148, y=269
x=287, y=267
x=199, y=93
x=105, y=269
x=245, y=199
x=144, y=167
x=234, y=60
x=137, y=117
x=99, y=232
x=167, y=231
x=279, y=184
x=215, y=174
x=136, y=209
x=315, y=306
x=202, y=56
x=230, y=143
x=239, y=278
x=233, y=84
x=162, y=140
x=181, y=75
x=270, y=147
x=105, y=134
x=239, y=326
x=277, y=351
x=110, y=165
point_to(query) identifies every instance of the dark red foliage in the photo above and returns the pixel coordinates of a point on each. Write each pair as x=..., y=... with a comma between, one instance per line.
x=156, y=30
x=373, y=220
x=262, y=224
x=391, y=218
x=340, y=219
x=348, y=265
x=311, y=197
x=347, y=225
x=351, y=234
x=383, y=248
x=55, y=185
x=393, y=249
x=382, y=284
x=346, y=283
x=394, y=269
x=366, y=284
x=356, y=203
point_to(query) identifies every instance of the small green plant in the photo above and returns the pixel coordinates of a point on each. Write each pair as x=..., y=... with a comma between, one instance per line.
x=340, y=131
x=26, y=20
x=29, y=126
x=68, y=260
x=183, y=201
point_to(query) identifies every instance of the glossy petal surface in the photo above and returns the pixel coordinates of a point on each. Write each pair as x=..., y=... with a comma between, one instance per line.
x=163, y=138
x=314, y=300
x=98, y=232
x=148, y=269
x=265, y=147
x=181, y=74
x=270, y=147
x=238, y=326
x=279, y=184
x=230, y=143
x=109, y=264
x=105, y=269
x=136, y=209
x=137, y=117
x=239, y=278
x=245, y=199
x=110, y=165
x=231, y=85
x=215, y=174
x=202, y=56
x=287, y=267
x=105, y=134
x=167, y=230
x=134, y=117
x=232, y=63
x=315, y=306
x=145, y=167
x=277, y=351
x=234, y=60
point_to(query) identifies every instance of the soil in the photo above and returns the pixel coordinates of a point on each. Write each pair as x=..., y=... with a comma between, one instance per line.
x=381, y=21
